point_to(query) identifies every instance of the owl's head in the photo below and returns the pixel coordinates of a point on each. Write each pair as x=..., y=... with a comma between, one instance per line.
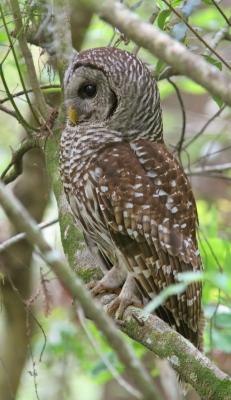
x=113, y=87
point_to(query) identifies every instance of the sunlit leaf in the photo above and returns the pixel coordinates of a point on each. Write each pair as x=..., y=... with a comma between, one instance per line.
x=162, y=17
x=214, y=62
x=163, y=296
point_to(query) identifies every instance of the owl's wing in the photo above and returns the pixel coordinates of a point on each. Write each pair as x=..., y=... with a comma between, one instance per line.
x=147, y=203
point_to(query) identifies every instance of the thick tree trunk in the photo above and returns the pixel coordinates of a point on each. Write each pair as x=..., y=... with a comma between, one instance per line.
x=15, y=263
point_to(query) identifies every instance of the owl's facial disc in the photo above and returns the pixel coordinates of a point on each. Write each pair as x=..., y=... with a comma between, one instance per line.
x=88, y=96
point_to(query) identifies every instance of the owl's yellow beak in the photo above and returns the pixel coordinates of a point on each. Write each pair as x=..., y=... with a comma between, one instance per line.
x=72, y=115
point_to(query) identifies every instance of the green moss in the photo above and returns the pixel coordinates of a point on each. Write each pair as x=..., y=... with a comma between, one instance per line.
x=72, y=239
x=89, y=274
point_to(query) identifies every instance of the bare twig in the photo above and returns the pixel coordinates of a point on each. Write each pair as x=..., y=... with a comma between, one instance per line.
x=211, y=175
x=212, y=154
x=218, y=37
x=166, y=73
x=221, y=12
x=20, y=236
x=164, y=47
x=16, y=161
x=39, y=98
x=204, y=127
x=22, y=92
x=23, y=221
x=209, y=168
x=9, y=112
x=20, y=117
x=151, y=21
x=17, y=65
x=124, y=384
x=182, y=136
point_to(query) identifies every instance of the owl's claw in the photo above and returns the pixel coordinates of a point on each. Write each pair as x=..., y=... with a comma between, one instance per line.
x=110, y=283
x=125, y=299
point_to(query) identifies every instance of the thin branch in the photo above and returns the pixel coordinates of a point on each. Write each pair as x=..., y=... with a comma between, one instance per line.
x=22, y=92
x=197, y=34
x=164, y=47
x=210, y=168
x=20, y=236
x=168, y=72
x=221, y=12
x=202, y=159
x=16, y=161
x=20, y=117
x=23, y=221
x=39, y=98
x=9, y=112
x=210, y=175
x=218, y=37
x=182, y=136
x=17, y=65
x=151, y=21
x=204, y=127
x=119, y=379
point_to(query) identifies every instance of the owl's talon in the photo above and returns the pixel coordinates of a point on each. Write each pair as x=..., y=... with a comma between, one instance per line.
x=110, y=283
x=126, y=298
x=120, y=323
x=90, y=285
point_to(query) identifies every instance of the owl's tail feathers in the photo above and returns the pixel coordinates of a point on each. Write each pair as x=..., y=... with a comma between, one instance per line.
x=195, y=336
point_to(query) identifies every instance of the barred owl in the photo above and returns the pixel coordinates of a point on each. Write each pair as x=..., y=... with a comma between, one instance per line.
x=126, y=190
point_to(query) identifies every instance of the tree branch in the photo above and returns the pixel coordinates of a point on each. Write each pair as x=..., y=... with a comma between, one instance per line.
x=152, y=332
x=192, y=366
x=45, y=88
x=164, y=47
x=204, y=127
x=209, y=168
x=16, y=161
x=9, y=112
x=20, y=236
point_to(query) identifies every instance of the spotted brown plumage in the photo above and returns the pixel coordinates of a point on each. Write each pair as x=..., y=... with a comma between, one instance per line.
x=126, y=190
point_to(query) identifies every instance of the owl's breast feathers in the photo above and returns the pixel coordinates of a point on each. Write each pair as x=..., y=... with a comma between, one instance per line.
x=141, y=202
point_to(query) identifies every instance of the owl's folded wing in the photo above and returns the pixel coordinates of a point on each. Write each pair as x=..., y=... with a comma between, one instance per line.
x=148, y=206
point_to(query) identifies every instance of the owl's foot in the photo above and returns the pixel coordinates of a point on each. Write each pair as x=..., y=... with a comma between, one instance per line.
x=127, y=297
x=111, y=282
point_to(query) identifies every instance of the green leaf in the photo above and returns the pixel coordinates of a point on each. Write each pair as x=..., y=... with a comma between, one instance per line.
x=163, y=296
x=218, y=100
x=160, y=65
x=163, y=15
x=214, y=62
x=189, y=277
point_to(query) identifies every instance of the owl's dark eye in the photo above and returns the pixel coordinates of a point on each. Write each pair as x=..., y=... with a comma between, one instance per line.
x=88, y=90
